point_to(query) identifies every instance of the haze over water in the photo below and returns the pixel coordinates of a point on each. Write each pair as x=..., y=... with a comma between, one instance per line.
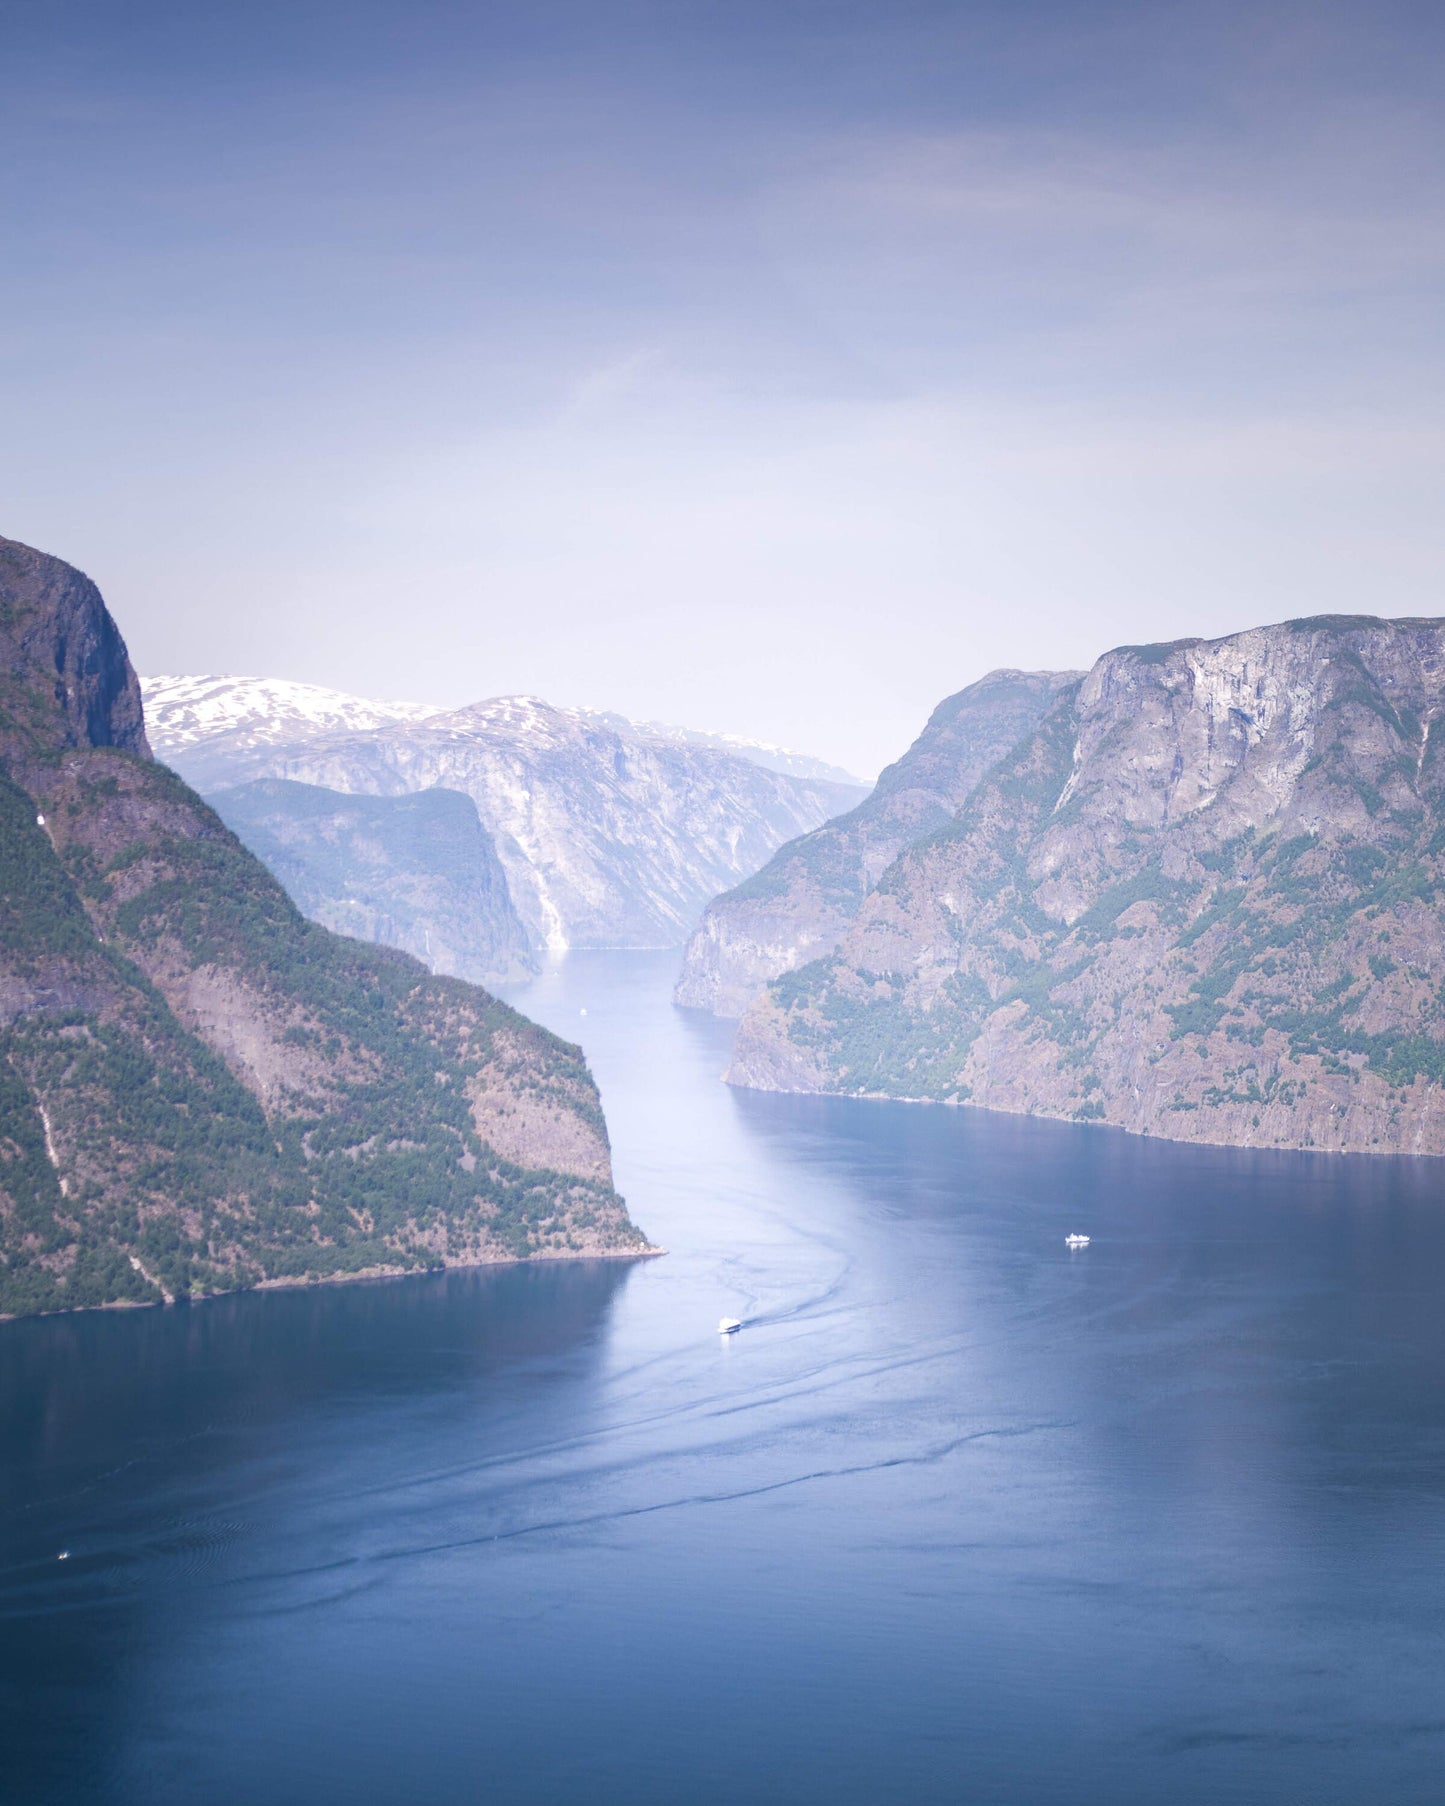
x=958, y=1517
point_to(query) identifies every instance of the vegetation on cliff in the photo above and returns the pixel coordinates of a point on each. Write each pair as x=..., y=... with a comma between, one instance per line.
x=800, y=904
x=199, y=1089
x=1202, y=899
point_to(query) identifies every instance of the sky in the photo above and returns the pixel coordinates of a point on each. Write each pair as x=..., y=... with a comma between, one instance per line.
x=776, y=369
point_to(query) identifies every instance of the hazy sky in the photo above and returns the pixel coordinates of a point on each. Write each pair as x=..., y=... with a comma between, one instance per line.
x=777, y=368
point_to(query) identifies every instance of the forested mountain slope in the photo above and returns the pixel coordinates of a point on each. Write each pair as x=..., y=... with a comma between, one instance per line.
x=198, y=1088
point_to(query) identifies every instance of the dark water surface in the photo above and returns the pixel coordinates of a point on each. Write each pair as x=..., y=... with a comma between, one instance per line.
x=959, y=1516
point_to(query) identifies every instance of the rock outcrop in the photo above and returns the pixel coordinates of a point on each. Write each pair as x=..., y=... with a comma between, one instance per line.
x=417, y=872
x=611, y=835
x=65, y=679
x=198, y=1088
x=1204, y=899
x=800, y=905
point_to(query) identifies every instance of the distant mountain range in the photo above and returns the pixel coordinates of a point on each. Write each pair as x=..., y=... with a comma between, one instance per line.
x=608, y=833
x=199, y=1089
x=226, y=717
x=756, y=752
x=1201, y=896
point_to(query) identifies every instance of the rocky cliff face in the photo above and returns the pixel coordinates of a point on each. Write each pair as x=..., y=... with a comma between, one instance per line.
x=65, y=679
x=1203, y=900
x=609, y=837
x=757, y=752
x=800, y=905
x=417, y=872
x=198, y=1088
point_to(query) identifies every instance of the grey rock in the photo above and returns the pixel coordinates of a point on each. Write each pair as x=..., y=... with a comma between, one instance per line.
x=756, y=752
x=199, y=1089
x=66, y=678
x=800, y=905
x=609, y=838
x=417, y=872
x=1203, y=900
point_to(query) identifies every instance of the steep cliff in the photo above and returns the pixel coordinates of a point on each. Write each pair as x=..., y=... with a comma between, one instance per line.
x=65, y=679
x=757, y=752
x=198, y=1088
x=799, y=906
x=1203, y=900
x=611, y=835
x=417, y=872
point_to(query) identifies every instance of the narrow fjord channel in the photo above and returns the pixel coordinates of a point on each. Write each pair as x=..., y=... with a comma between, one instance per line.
x=960, y=1516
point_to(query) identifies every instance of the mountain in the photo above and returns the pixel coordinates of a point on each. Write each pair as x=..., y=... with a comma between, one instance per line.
x=208, y=724
x=609, y=836
x=800, y=904
x=198, y=1088
x=417, y=872
x=757, y=752
x=1204, y=899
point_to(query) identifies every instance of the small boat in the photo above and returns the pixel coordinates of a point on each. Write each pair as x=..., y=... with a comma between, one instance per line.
x=64, y=1555
x=1076, y=1241
x=728, y=1326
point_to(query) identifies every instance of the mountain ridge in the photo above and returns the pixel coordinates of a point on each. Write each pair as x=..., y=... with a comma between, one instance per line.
x=772, y=757
x=199, y=1089
x=196, y=708
x=608, y=839
x=800, y=904
x=1202, y=900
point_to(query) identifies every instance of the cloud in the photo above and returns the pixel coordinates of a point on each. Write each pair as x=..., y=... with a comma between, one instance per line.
x=778, y=368
x=600, y=389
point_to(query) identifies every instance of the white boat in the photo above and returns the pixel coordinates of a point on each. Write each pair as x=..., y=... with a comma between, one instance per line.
x=728, y=1326
x=1076, y=1241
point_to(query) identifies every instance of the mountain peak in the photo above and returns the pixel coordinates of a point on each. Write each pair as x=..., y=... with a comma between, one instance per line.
x=201, y=1090
x=192, y=711
x=68, y=679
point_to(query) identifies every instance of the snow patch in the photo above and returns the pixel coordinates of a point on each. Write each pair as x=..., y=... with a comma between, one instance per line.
x=182, y=711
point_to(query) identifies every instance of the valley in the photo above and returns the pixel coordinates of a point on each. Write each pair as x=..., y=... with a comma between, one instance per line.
x=609, y=834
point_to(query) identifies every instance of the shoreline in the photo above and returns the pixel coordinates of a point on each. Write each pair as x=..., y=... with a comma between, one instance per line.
x=288, y=1283
x=1094, y=1122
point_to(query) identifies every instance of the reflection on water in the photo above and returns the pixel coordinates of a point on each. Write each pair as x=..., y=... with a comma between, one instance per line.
x=194, y=1461
x=959, y=1516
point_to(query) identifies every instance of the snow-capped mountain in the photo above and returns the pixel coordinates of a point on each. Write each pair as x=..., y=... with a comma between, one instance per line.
x=228, y=714
x=221, y=717
x=610, y=834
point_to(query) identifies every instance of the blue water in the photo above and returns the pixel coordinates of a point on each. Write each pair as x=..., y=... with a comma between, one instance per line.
x=959, y=1516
